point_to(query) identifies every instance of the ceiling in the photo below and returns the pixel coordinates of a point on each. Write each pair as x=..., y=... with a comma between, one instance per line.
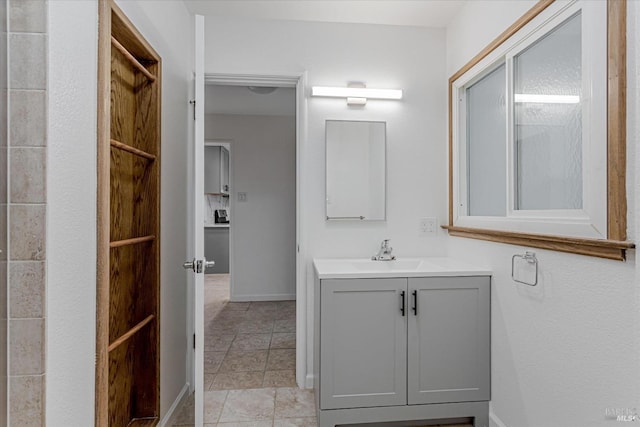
x=422, y=13
x=240, y=100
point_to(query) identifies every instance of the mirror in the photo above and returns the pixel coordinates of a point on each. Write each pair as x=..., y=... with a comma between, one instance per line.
x=356, y=170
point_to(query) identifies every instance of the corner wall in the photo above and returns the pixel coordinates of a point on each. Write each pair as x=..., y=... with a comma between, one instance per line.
x=564, y=351
x=71, y=193
x=71, y=275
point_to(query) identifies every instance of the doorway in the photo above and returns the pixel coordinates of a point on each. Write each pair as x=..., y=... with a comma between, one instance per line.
x=250, y=335
x=255, y=308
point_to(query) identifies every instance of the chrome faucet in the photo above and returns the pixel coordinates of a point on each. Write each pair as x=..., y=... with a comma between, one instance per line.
x=384, y=253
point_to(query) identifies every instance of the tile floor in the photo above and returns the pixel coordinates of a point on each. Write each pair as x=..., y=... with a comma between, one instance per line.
x=247, y=345
x=249, y=364
x=258, y=407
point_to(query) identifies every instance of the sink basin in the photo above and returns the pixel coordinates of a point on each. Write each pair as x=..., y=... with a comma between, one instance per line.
x=395, y=265
x=402, y=267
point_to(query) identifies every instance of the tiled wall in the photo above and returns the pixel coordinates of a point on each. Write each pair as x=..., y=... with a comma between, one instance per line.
x=27, y=210
x=4, y=175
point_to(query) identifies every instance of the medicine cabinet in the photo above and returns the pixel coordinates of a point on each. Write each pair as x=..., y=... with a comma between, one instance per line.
x=355, y=170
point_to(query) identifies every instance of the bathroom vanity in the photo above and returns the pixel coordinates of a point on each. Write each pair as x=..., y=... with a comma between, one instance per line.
x=400, y=341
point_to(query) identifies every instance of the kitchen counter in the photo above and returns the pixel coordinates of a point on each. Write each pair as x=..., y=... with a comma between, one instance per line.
x=216, y=226
x=345, y=268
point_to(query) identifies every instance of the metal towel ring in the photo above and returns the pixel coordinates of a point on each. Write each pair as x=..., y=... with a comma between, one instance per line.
x=530, y=257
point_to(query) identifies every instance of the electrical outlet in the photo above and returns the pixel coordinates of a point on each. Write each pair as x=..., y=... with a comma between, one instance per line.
x=428, y=226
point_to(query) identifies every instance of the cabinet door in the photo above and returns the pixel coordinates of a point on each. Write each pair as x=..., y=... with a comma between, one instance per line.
x=216, y=248
x=449, y=340
x=363, y=339
x=224, y=170
x=211, y=169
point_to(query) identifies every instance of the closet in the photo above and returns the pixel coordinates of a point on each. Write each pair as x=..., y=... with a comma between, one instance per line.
x=128, y=299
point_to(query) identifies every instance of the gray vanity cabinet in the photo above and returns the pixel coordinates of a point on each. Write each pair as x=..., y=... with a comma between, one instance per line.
x=364, y=341
x=448, y=340
x=401, y=349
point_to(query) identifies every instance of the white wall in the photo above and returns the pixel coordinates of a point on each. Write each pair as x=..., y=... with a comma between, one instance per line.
x=71, y=196
x=71, y=227
x=410, y=58
x=567, y=349
x=263, y=229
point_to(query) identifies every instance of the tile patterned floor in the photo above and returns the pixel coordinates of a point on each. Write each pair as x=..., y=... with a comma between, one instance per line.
x=258, y=407
x=247, y=345
x=249, y=364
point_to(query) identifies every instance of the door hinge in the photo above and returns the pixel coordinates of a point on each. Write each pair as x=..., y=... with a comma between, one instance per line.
x=193, y=102
x=194, y=341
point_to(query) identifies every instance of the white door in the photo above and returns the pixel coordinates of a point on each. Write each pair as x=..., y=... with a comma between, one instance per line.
x=196, y=226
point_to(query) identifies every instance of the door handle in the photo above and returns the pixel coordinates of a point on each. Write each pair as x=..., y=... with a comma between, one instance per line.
x=402, y=303
x=209, y=264
x=415, y=303
x=190, y=265
x=195, y=265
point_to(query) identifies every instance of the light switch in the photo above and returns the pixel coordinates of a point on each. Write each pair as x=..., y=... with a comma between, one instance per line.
x=242, y=197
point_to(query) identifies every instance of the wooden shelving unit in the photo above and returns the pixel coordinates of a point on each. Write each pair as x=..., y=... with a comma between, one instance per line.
x=128, y=294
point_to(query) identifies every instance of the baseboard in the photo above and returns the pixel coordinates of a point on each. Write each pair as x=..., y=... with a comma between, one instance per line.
x=268, y=297
x=494, y=421
x=168, y=419
x=308, y=381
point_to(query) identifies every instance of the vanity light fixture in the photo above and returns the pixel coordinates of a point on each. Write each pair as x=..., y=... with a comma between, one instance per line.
x=356, y=95
x=547, y=99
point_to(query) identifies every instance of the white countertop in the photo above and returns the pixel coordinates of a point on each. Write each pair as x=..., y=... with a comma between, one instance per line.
x=345, y=268
x=216, y=226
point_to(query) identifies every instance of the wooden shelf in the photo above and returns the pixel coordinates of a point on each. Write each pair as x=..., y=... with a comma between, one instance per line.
x=124, y=147
x=609, y=249
x=128, y=268
x=130, y=333
x=132, y=59
x=134, y=241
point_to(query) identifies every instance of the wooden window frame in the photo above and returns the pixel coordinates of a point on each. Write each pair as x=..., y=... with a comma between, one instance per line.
x=616, y=244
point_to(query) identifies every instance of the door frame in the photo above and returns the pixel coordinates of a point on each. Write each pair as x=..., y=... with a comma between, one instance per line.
x=299, y=82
